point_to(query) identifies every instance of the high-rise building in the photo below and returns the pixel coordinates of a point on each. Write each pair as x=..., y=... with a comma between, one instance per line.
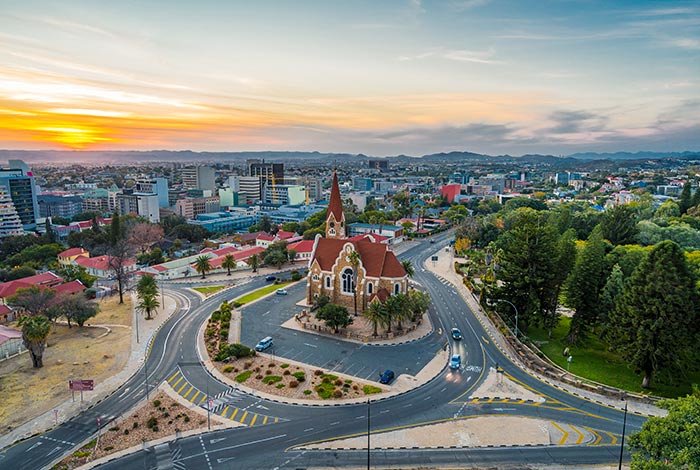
x=199, y=177
x=191, y=207
x=63, y=206
x=10, y=223
x=378, y=164
x=272, y=172
x=158, y=186
x=19, y=182
x=143, y=204
x=249, y=188
x=284, y=194
x=312, y=186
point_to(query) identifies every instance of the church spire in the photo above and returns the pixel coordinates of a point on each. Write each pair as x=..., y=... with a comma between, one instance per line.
x=335, y=220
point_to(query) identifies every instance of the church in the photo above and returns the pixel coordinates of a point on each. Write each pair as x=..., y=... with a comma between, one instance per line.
x=334, y=270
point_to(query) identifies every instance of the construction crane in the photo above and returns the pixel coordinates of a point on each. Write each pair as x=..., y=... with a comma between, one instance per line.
x=306, y=190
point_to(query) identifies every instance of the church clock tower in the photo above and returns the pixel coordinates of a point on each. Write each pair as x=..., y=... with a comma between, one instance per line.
x=335, y=220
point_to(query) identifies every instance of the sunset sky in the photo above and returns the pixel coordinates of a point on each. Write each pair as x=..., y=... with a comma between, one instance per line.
x=374, y=77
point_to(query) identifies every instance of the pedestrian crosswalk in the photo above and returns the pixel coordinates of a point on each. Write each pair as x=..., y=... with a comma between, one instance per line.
x=227, y=404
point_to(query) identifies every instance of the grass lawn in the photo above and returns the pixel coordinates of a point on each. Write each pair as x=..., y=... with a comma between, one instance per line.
x=208, y=290
x=256, y=294
x=593, y=361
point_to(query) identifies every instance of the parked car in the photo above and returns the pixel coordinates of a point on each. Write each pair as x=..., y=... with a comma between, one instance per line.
x=386, y=377
x=281, y=292
x=270, y=278
x=455, y=361
x=432, y=241
x=456, y=334
x=264, y=343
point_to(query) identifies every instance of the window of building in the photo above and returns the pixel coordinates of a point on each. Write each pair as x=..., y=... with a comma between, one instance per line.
x=328, y=282
x=397, y=288
x=370, y=288
x=347, y=280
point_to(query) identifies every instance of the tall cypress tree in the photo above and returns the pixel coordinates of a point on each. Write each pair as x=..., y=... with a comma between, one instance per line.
x=584, y=286
x=608, y=300
x=658, y=309
x=684, y=201
x=115, y=230
x=695, y=200
x=619, y=225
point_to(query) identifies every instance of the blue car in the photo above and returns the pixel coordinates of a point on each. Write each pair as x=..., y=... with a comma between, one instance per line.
x=455, y=361
x=386, y=377
x=456, y=334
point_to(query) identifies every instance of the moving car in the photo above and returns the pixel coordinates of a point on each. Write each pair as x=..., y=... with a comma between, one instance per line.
x=270, y=278
x=386, y=377
x=456, y=334
x=281, y=292
x=455, y=361
x=264, y=343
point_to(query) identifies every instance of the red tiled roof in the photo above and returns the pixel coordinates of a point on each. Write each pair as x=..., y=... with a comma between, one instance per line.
x=282, y=235
x=335, y=204
x=266, y=237
x=375, y=237
x=99, y=262
x=382, y=294
x=376, y=258
x=7, y=334
x=159, y=268
x=70, y=287
x=304, y=246
x=47, y=279
x=72, y=252
x=245, y=254
x=4, y=309
x=226, y=251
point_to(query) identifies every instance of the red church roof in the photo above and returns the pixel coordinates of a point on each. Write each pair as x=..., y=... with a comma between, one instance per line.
x=335, y=204
x=376, y=258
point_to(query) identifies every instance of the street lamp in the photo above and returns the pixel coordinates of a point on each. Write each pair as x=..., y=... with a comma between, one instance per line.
x=622, y=443
x=516, y=314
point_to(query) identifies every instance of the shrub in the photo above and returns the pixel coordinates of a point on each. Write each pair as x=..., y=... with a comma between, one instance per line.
x=271, y=379
x=234, y=350
x=237, y=304
x=337, y=394
x=318, y=372
x=280, y=385
x=108, y=448
x=216, y=316
x=152, y=422
x=296, y=276
x=370, y=389
x=307, y=392
x=348, y=381
x=355, y=387
x=154, y=429
x=136, y=425
x=293, y=384
x=166, y=415
x=268, y=372
x=272, y=364
x=114, y=428
x=187, y=419
x=81, y=454
x=284, y=366
x=224, y=334
x=228, y=369
x=240, y=378
x=338, y=382
x=300, y=376
x=248, y=364
x=286, y=372
x=156, y=403
x=126, y=432
x=259, y=376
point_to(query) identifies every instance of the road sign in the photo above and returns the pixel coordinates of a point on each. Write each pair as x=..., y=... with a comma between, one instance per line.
x=81, y=385
x=433, y=258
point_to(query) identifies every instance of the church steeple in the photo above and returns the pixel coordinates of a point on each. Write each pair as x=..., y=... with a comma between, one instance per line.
x=335, y=220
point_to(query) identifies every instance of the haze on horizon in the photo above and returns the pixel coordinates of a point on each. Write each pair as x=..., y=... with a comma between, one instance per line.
x=379, y=78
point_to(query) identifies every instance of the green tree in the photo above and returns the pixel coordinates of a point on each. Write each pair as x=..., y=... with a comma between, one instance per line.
x=115, y=230
x=374, y=314
x=35, y=330
x=667, y=210
x=253, y=262
x=608, y=301
x=419, y=302
x=456, y=213
x=408, y=267
x=291, y=255
x=400, y=310
x=77, y=308
x=146, y=286
x=695, y=200
x=34, y=300
x=202, y=265
x=229, y=263
x=565, y=255
x=335, y=316
x=50, y=234
x=119, y=265
x=148, y=304
x=670, y=442
x=657, y=312
x=73, y=272
x=619, y=225
x=584, y=286
x=276, y=258
x=684, y=201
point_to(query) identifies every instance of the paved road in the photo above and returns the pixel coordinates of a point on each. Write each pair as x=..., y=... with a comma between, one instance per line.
x=174, y=357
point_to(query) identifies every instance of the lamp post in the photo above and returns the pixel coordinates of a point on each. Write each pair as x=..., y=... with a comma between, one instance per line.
x=516, y=314
x=368, y=433
x=622, y=442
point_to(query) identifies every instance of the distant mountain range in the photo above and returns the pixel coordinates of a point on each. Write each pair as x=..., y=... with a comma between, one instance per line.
x=48, y=156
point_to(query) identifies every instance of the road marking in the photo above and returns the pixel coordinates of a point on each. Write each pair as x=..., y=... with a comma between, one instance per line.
x=214, y=441
x=359, y=417
x=183, y=386
x=612, y=436
x=242, y=420
x=173, y=376
x=485, y=340
x=427, y=398
x=55, y=449
x=475, y=400
x=35, y=446
x=308, y=429
x=235, y=412
x=406, y=406
x=490, y=400
x=580, y=434
x=597, y=436
x=255, y=417
x=383, y=411
x=225, y=459
x=310, y=345
x=265, y=420
x=564, y=437
x=223, y=413
x=189, y=390
x=178, y=381
x=194, y=397
x=206, y=455
x=277, y=420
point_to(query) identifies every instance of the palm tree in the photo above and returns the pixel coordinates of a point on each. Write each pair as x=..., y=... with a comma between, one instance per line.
x=202, y=266
x=419, y=303
x=398, y=307
x=229, y=263
x=408, y=267
x=147, y=285
x=374, y=314
x=253, y=262
x=387, y=317
x=35, y=330
x=354, y=259
x=148, y=304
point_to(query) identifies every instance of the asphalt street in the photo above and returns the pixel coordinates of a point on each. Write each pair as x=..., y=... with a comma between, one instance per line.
x=273, y=445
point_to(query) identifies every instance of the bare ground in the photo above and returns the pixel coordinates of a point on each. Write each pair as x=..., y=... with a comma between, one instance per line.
x=75, y=353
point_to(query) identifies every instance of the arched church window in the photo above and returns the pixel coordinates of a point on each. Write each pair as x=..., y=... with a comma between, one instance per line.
x=328, y=282
x=332, y=224
x=370, y=288
x=347, y=280
x=397, y=288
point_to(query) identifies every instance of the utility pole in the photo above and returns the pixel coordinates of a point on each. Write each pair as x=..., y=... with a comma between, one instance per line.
x=622, y=443
x=136, y=322
x=209, y=402
x=145, y=371
x=368, y=432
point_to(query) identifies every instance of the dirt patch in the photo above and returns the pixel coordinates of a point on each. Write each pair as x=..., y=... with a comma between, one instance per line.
x=72, y=353
x=472, y=432
x=160, y=417
x=293, y=380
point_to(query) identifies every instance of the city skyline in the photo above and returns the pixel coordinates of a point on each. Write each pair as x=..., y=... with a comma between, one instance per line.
x=381, y=79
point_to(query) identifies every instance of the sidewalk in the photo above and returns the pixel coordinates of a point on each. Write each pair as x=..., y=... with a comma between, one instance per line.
x=236, y=275
x=444, y=268
x=68, y=408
